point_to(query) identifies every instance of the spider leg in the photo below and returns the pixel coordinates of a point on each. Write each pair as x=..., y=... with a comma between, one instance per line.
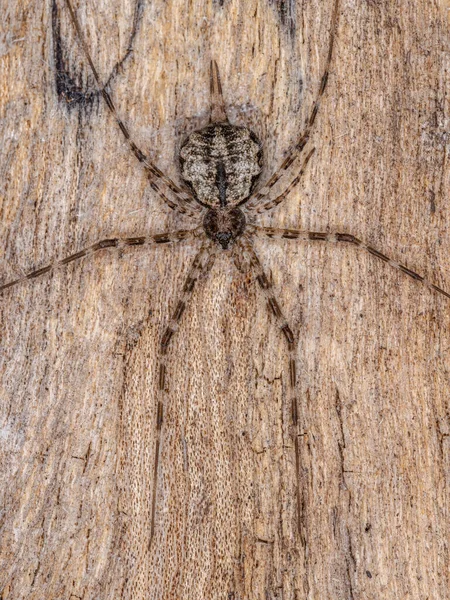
x=276, y=201
x=146, y=240
x=185, y=202
x=251, y=263
x=304, y=137
x=202, y=263
x=296, y=234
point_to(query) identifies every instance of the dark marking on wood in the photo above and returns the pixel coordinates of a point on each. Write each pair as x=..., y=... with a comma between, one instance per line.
x=189, y=284
x=317, y=236
x=323, y=83
x=312, y=118
x=8, y=285
x=294, y=411
x=263, y=281
x=141, y=158
x=438, y=289
x=275, y=307
x=286, y=10
x=123, y=129
x=291, y=235
x=67, y=87
x=288, y=162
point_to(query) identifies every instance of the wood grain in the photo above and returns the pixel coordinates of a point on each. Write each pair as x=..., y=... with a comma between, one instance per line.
x=79, y=348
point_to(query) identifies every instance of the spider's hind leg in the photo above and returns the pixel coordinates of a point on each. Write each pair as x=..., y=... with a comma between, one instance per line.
x=247, y=261
x=201, y=264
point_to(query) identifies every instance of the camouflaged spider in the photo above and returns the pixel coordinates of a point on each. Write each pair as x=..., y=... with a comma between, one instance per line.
x=221, y=164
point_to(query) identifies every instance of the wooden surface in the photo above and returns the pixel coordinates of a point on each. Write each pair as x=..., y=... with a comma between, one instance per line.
x=79, y=348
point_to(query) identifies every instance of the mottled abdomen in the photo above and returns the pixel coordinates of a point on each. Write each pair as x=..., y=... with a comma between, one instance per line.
x=221, y=163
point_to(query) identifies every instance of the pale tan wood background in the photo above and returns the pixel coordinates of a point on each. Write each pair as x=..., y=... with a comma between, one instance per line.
x=78, y=349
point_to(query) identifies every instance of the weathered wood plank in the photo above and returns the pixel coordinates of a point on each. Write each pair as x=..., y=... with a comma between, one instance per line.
x=78, y=360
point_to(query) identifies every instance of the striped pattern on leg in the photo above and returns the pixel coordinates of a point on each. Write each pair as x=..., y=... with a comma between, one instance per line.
x=118, y=243
x=185, y=202
x=297, y=234
x=202, y=263
x=255, y=199
x=304, y=137
x=248, y=261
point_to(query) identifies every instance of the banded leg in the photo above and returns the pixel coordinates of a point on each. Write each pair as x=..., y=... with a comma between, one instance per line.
x=185, y=202
x=202, y=263
x=119, y=243
x=276, y=201
x=304, y=137
x=296, y=234
x=249, y=262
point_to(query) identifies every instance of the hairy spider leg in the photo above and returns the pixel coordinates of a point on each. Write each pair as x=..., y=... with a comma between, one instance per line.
x=276, y=201
x=304, y=137
x=185, y=203
x=297, y=234
x=246, y=260
x=119, y=243
x=201, y=264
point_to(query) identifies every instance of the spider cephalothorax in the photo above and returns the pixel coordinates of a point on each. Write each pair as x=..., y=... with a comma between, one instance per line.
x=224, y=225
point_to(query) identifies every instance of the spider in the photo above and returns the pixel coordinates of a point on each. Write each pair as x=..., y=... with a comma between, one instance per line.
x=221, y=165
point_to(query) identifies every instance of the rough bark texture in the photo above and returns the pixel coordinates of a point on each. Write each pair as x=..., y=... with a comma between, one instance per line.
x=79, y=348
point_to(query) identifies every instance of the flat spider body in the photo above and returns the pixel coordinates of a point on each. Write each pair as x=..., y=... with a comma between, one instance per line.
x=221, y=164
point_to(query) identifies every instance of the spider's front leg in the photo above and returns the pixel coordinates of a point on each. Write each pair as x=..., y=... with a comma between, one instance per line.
x=247, y=261
x=184, y=202
x=119, y=243
x=297, y=234
x=263, y=192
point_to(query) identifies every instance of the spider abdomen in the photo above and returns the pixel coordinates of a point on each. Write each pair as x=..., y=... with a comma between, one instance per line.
x=221, y=164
